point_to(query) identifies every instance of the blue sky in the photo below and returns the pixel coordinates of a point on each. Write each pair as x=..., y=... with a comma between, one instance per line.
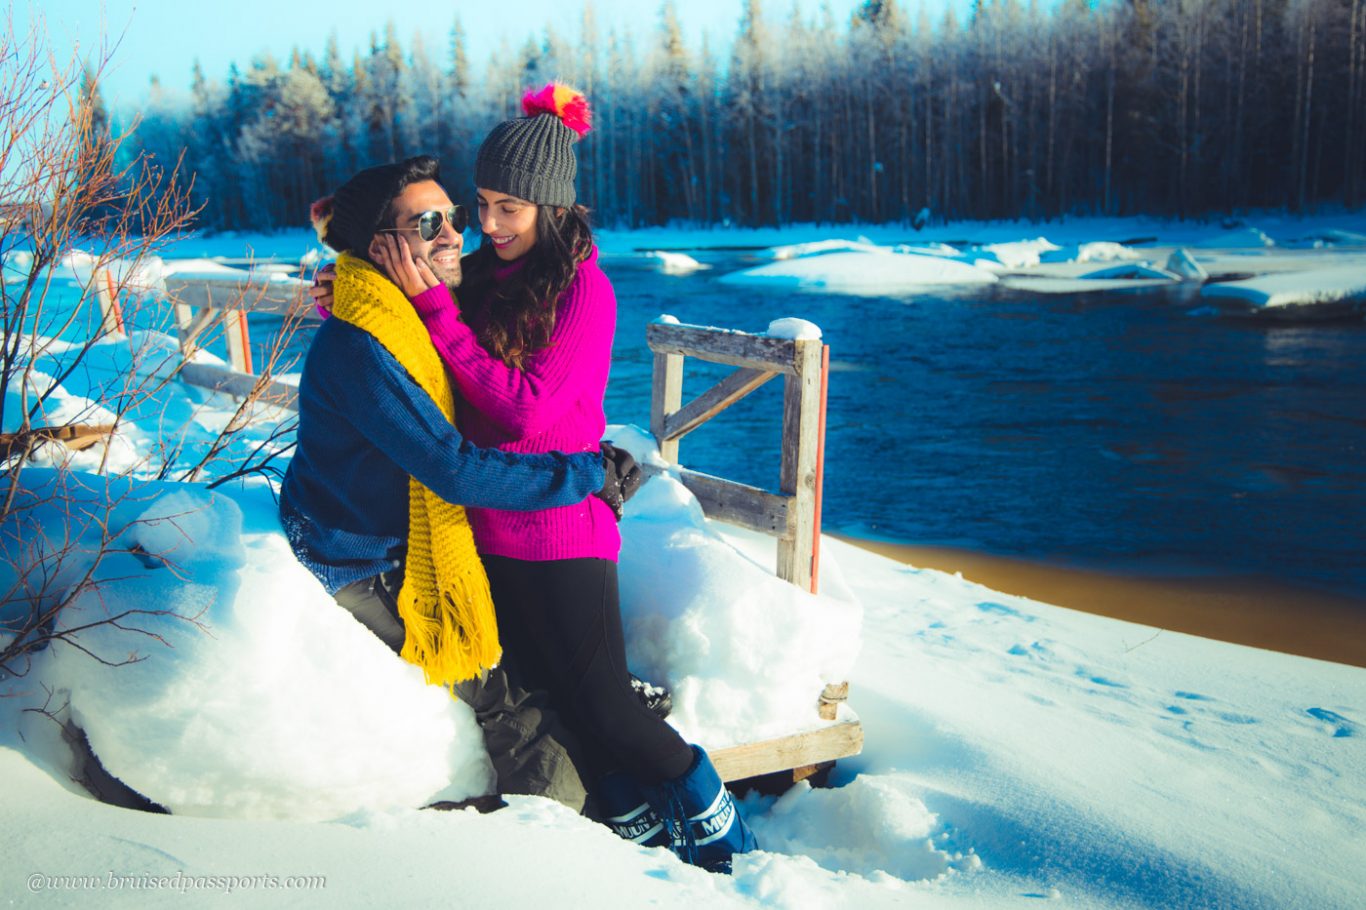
x=164, y=37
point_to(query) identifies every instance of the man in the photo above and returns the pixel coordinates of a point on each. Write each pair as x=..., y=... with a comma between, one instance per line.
x=368, y=501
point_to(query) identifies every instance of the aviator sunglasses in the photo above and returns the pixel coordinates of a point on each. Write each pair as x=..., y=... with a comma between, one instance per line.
x=429, y=223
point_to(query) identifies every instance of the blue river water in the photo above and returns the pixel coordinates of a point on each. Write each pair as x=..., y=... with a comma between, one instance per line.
x=1132, y=431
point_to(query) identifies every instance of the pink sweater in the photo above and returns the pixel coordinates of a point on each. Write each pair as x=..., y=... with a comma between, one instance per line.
x=554, y=404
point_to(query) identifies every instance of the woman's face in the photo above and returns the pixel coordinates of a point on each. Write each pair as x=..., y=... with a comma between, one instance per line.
x=509, y=222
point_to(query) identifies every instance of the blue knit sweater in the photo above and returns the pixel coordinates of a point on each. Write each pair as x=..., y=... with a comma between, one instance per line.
x=365, y=427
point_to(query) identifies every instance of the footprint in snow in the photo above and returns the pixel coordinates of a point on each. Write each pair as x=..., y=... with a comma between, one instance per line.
x=988, y=606
x=1333, y=722
x=1034, y=651
x=1100, y=680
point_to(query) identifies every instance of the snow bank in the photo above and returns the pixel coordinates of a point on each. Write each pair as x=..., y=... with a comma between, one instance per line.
x=1328, y=290
x=266, y=700
x=877, y=273
x=929, y=249
x=1182, y=263
x=1018, y=254
x=671, y=263
x=821, y=247
x=1105, y=251
x=745, y=653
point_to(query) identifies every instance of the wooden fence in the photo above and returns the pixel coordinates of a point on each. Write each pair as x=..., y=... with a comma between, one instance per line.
x=200, y=304
x=792, y=515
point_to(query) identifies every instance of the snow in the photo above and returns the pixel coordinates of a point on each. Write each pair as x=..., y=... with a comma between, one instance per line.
x=265, y=701
x=745, y=661
x=1105, y=251
x=861, y=272
x=144, y=276
x=1062, y=264
x=820, y=247
x=1330, y=289
x=1183, y=264
x=671, y=263
x=210, y=269
x=1014, y=751
x=791, y=327
x=1020, y=254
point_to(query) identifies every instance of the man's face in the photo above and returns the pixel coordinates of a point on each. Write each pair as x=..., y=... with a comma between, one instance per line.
x=442, y=252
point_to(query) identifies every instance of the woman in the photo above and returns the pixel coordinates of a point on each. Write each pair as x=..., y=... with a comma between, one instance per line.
x=529, y=348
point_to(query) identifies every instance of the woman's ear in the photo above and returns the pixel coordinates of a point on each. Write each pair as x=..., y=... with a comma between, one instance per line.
x=373, y=250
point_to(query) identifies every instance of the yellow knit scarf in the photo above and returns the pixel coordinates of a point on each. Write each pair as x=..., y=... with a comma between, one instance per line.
x=445, y=604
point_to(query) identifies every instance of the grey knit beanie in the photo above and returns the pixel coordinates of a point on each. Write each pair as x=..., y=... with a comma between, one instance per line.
x=532, y=157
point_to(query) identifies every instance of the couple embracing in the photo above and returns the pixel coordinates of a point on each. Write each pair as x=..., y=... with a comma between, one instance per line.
x=449, y=488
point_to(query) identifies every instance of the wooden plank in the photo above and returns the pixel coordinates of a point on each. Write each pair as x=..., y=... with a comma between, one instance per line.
x=223, y=379
x=738, y=503
x=715, y=400
x=665, y=398
x=76, y=437
x=801, y=442
x=729, y=501
x=810, y=747
x=281, y=298
x=738, y=349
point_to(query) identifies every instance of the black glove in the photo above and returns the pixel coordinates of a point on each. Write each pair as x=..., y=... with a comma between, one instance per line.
x=622, y=478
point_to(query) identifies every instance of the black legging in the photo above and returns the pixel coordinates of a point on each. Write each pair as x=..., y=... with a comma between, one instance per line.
x=560, y=621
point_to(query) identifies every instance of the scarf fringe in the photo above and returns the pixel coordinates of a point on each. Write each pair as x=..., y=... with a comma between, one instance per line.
x=436, y=638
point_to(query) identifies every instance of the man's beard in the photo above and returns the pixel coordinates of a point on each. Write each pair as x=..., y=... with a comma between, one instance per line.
x=450, y=276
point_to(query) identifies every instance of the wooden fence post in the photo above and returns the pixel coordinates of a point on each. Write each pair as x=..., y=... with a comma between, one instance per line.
x=238, y=338
x=111, y=314
x=801, y=441
x=665, y=399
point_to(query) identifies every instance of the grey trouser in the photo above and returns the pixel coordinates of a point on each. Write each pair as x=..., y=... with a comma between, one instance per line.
x=530, y=748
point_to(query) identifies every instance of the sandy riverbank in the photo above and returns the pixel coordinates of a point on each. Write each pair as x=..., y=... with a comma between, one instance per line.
x=1248, y=611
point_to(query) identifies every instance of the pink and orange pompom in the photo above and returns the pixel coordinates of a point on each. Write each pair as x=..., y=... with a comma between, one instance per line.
x=320, y=214
x=564, y=102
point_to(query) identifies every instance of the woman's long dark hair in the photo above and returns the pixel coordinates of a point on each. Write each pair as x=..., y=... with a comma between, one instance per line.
x=514, y=320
